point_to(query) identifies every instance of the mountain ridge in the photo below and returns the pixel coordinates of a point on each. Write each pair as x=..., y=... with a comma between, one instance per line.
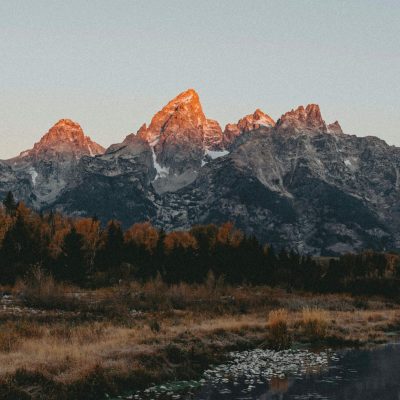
x=299, y=182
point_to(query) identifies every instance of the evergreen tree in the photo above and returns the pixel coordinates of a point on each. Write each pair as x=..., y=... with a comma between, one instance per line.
x=252, y=255
x=10, y=204
x=111, y=253
x=158, y=265
x=73, y=259
x=269, y=266
x=206, y=237
x=180, y=258
x=21, y=249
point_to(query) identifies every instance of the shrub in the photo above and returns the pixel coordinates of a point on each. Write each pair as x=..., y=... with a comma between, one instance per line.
x=39, y=289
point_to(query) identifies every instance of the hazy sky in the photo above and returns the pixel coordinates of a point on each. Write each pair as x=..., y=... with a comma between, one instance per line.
x=110, y=65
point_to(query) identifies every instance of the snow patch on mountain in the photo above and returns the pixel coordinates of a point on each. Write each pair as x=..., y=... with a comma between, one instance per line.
x=216, y=154
x=162, y=172
x=32, y=172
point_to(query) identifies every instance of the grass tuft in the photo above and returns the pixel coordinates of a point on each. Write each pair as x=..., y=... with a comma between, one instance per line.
x=278, y=326
x=315, y=323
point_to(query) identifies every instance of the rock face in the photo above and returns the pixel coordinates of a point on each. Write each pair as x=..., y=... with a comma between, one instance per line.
x=17, y=182
x=248, y=123
x=179, y=134
x=320, y=193
x=64, y=140
x=298, y=183
x=114, y=185
x=335, y=128
x=181, y=126
x=302, y=119
x=47, y=169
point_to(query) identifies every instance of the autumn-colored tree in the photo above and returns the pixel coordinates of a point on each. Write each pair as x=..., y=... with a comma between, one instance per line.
x=179, y=240
x=142, y=235
x=5, y=223
x=90, y=230
x=81, y=251
x=57, y=226
x=228, y=235
x=205, y=235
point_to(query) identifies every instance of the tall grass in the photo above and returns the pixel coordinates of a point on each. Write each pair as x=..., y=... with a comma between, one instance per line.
x=278, y=327
x=39, y=289
x=314, y=322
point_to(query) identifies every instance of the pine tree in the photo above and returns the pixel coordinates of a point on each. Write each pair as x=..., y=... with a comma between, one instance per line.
x=10, y=204
x=21, y=249
x=72, y=259
x=158, y=264
x=111, y=253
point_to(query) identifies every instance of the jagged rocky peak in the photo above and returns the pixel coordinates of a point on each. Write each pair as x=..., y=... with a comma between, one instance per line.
x=302, y=119
x=182, y=117
x=248, y=123
x=335, y=128
x=65, y=137
x=254, y=121
x=212, y=136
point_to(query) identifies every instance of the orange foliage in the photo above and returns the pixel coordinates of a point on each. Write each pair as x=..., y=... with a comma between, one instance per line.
x=179, y=239
x=143, y=234
x=57, y=227
x=5, y=223
x=90, y=230
x=23, y=211
x=229, y=235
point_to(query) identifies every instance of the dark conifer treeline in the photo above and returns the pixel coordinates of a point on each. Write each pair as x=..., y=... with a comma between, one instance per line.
x=81, y=251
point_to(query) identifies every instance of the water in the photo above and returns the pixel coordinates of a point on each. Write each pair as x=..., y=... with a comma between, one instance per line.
x=350, y=375
x=366, y=374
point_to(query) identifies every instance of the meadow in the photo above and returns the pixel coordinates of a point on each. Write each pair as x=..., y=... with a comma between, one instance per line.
x=59, y=341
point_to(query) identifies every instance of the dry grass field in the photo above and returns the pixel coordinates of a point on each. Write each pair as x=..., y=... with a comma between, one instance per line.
x=61, y=342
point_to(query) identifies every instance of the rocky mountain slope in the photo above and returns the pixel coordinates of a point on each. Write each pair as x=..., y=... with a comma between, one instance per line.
x=298, y=183
x=43, y=172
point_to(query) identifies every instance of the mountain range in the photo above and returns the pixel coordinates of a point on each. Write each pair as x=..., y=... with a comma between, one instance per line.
x=297, y=182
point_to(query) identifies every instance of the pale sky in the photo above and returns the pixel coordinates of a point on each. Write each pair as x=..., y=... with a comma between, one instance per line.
x=110, y=65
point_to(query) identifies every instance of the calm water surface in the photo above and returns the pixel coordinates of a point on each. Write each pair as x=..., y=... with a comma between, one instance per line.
x=354, y=374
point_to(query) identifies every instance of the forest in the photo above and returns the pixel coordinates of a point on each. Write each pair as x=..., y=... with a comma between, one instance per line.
x=85, y=253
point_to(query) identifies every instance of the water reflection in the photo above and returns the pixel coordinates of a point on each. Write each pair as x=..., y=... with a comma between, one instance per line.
x=355, y=375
